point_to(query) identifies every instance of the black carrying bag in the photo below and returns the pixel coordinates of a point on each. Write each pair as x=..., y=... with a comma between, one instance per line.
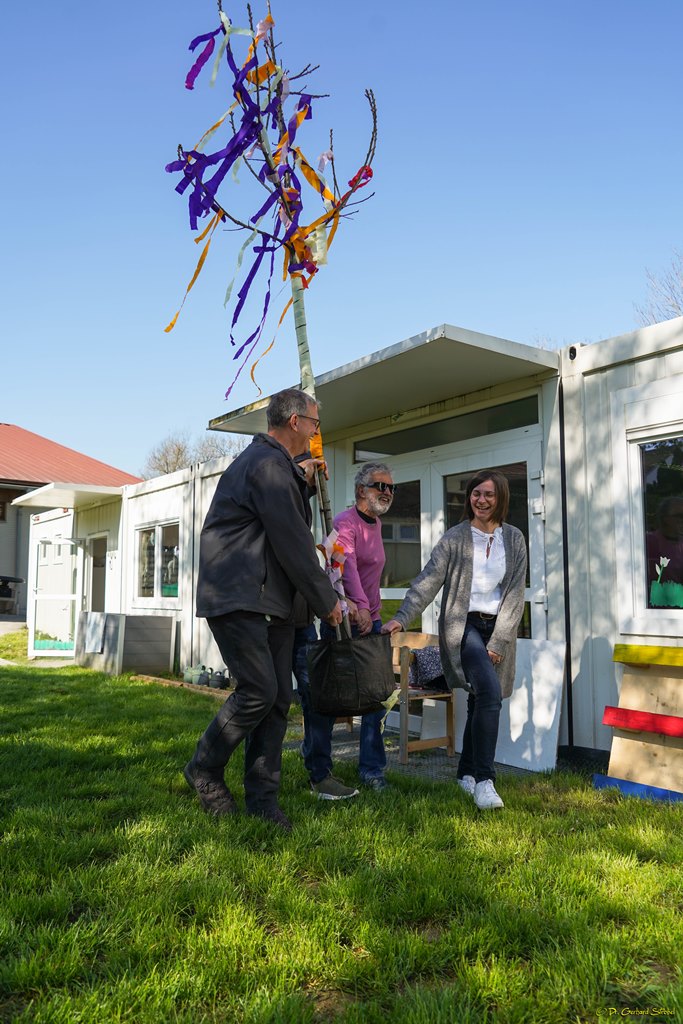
x=351, y=677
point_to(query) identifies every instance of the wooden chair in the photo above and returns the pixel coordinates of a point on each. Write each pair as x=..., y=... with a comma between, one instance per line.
x=403, y=645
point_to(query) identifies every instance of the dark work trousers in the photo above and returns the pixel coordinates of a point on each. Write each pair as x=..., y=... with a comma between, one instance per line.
x=259, y=655
x=483, y=702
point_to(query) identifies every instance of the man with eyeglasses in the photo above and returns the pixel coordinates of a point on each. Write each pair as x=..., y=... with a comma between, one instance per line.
x=360, y=534
x=256, y=552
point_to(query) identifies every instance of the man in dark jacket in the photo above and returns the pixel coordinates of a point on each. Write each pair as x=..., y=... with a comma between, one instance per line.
x=256, y=552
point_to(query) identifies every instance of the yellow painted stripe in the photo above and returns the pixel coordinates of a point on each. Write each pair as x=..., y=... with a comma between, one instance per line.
x=637, y=654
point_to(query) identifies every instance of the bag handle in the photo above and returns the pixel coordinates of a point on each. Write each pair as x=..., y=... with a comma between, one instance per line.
x=343, y=632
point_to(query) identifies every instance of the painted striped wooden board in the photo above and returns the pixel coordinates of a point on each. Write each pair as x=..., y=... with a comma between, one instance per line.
x=635, y=788
x=651, y=702
x=642, y=654
x=643, y=721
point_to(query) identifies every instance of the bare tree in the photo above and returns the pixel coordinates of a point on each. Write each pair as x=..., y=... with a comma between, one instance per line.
x=178, y=450
x=213, y=444
x=665, y=294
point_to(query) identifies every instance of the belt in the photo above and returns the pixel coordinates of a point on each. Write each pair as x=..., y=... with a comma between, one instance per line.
x=482, y=615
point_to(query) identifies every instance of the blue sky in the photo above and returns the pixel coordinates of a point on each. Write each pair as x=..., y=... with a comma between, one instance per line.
x=527, y=173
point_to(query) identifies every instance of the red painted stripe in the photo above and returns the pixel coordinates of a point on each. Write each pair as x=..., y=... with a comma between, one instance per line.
x=643, y=721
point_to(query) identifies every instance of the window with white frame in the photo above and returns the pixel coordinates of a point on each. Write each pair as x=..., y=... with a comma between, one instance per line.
x=662, y=477
x=401, y=536
x=170, y=536
x=158, y=560
x=647, y=435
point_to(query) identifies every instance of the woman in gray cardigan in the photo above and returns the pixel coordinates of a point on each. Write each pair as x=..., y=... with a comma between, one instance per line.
x=481, y=565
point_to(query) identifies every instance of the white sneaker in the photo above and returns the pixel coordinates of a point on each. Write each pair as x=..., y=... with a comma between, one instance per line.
x=485, y=796
x=467, y=784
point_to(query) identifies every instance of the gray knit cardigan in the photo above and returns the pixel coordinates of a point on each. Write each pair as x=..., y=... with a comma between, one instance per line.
x=450, y=567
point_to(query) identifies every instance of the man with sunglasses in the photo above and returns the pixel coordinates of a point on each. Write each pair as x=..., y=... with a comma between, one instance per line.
x=360, y=534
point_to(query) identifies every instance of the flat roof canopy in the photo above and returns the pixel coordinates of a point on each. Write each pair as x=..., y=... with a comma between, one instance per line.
x=445, y=362
x=65, y=495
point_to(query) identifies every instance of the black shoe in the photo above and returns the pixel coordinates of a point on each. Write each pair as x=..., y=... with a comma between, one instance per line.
x=330, y=788
x=273, y=814
x=377, y=782
x=214, y=795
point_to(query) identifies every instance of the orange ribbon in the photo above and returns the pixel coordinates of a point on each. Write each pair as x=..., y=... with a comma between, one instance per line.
x=211, y=227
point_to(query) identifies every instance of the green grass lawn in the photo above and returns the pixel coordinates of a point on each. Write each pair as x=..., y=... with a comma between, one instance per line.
x=123, y=902
x=14, y=646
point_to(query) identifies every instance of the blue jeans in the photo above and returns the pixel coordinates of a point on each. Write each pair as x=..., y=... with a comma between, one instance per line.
x=303, y=636
x=317, y=746
x=483, y=703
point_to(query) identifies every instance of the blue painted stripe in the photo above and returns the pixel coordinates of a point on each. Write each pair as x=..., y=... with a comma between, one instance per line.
x=635, y=788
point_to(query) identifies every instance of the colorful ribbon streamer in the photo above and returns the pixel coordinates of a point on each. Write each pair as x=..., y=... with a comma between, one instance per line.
x=261, y=90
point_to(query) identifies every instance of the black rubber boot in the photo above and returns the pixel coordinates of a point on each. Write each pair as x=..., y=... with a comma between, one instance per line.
x=204, y=773
x=273, y=814
x=214, y=795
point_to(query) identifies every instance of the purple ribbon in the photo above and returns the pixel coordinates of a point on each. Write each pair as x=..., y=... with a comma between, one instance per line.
x=196, y=166
x=260, y=251
x=255, y=336
x=210, y=39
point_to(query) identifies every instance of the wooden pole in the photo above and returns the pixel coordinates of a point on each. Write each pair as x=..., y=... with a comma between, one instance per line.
x=299, y=309
x=308, y=385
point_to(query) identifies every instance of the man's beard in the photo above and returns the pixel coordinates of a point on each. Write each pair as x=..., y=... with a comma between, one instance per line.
x=378, y=508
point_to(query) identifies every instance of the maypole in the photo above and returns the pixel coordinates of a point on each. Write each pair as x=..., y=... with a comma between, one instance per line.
x=299, y=312
x=262, y=123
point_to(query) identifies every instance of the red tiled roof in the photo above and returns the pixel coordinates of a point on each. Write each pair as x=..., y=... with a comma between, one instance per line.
x=30, y=458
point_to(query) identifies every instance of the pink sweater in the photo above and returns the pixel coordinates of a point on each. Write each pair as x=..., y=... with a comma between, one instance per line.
x=365, y=559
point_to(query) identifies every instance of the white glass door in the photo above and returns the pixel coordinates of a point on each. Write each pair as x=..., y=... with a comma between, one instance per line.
x=406, y=531
x=521, y=463
x=429, y=500
x=54, y=586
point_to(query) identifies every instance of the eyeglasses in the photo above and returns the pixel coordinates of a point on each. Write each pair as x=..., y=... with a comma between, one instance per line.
x=379, y=485
x=303, y=416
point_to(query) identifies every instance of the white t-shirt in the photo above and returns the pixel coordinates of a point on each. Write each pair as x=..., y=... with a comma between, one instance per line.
x=487, y=572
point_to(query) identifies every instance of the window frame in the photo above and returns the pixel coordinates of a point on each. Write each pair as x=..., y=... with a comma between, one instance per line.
x=431, y=465
x=419, y=430
x=640, y=414
x=156, y=600
x=57, y=550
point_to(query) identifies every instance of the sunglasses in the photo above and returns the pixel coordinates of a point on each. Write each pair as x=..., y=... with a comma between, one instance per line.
x=379, y=485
